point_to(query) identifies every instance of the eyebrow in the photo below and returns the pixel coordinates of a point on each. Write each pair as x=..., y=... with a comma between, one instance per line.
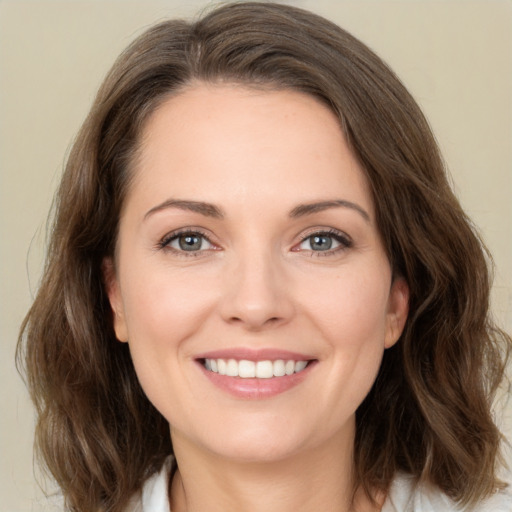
x=207, y=209
x=210, y=210
x=310, y=208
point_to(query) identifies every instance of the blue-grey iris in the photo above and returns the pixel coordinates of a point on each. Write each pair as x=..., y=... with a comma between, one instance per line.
x=321, y=243
x=190, y=242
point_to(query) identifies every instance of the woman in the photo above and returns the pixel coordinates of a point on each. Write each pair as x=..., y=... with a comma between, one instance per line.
x=256, y=250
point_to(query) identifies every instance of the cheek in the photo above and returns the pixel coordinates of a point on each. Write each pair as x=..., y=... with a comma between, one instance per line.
x=164, y=306
x=163, y=311
x=351, y=307
x=350, y=312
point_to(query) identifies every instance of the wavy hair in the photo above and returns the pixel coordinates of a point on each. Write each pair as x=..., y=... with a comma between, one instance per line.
x=429, y=411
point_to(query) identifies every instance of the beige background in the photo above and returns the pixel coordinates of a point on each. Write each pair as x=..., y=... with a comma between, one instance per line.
x=455, y=56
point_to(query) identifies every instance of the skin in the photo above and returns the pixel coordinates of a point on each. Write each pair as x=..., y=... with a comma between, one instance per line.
x=256, y=281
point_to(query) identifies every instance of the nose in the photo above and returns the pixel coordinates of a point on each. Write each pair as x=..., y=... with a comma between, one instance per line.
x=257, y=293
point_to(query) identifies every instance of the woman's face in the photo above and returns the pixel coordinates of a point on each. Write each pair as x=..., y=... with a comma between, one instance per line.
x=248, y=245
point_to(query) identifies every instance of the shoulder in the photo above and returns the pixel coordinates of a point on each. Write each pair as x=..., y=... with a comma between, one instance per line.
x=407, y=496
x=153, y=496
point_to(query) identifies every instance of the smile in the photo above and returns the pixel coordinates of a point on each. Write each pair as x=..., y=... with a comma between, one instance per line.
x=255, y=374
x=246, y=369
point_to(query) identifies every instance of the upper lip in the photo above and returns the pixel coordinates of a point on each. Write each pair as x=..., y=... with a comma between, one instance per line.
x=251, y=354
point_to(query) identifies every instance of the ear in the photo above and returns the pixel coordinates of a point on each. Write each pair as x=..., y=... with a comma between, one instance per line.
x=398, y=308
x=113, y=290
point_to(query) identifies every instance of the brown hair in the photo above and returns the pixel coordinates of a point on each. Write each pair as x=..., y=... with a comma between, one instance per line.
x=429, y=412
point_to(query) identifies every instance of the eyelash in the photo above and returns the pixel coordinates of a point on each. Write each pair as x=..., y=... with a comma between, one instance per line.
x=164, y=244
x=340, y=237
x=344, y=241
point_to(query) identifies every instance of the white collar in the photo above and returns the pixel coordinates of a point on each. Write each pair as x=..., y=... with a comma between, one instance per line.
x=404, y=496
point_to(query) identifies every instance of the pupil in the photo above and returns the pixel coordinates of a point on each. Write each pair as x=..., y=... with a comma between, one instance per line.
x=321, y=243
x=190, y=242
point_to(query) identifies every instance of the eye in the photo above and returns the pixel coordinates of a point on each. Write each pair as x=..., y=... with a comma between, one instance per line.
x=325, y=241
x=186, y=241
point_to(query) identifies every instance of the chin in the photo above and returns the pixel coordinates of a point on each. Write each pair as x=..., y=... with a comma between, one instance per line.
x=258, y=452
x=259, y=443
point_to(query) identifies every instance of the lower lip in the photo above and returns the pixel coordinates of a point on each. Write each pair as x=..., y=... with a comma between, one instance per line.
x=256, y=389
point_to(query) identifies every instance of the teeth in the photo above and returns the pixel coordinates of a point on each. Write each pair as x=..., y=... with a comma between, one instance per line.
x=232, y=368
x=289, y=367
x=264, y=369
x=278, y=368
x=300, y=365
x=221, y=365
x=246, y=369
x=250, y=369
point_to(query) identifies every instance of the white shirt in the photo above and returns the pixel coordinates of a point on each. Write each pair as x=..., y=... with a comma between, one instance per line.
x=404, y=496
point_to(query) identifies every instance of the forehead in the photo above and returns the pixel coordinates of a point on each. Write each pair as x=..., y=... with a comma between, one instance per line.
x=229, y=139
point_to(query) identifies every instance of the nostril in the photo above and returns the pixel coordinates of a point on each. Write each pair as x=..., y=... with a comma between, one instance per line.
x=255, y=324
x=255, y=307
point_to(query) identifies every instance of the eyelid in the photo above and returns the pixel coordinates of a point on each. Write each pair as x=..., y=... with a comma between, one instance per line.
x=341, y=237
x=164, y=242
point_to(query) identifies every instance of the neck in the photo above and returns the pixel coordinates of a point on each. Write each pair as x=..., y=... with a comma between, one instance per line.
x=318, y=479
